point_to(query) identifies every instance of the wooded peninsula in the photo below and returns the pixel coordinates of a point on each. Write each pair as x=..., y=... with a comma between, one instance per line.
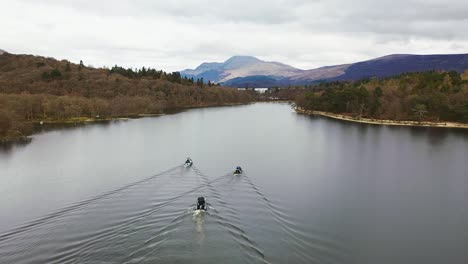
x=430, y=97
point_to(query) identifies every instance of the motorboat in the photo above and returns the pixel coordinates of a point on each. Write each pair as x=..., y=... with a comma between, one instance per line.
x=238, y=170
x=201, y=203
x=188, y=162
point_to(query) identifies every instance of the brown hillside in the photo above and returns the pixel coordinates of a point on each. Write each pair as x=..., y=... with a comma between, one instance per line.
x=38, y=88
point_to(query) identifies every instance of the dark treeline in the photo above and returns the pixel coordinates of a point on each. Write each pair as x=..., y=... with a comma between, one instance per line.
x=174, y=77
x=428, y=96
x=43, y=89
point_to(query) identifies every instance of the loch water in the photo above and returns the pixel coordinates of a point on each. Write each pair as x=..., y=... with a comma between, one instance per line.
x=314, y=190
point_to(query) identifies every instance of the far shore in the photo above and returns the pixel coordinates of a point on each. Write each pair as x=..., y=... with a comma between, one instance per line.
x=383, y=121
x=88, y=120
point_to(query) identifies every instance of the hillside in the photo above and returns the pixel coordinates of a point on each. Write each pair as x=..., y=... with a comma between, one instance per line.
x=396, y=64
x=322, y=73
x=2, y=51
x=35, y=88
x=256, y=73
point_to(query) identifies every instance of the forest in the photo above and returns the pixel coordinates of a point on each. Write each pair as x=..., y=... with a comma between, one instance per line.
x=425, y=96
x=34, y=89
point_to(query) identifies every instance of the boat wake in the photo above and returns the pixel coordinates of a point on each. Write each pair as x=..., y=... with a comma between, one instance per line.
x=155, y=220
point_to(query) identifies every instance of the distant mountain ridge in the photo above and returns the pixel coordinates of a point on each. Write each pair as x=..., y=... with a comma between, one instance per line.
x=396, y=64
x=2, y=51
x=240, y=66
x=247, y=71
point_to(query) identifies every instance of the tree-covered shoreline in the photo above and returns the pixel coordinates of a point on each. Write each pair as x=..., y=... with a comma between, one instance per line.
x=427, y=96
x=34, y=89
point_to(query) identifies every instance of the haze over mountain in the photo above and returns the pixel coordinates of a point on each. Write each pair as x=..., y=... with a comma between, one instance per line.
x=246, y=71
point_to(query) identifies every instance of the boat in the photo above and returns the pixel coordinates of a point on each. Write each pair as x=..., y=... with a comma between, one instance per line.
x=201, y=204
x=188, y=162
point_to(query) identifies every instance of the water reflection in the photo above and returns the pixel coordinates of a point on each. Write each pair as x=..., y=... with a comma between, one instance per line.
x=70, y=126
x=9, y=146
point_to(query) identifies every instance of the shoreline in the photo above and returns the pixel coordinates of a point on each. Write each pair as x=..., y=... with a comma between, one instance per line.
x=383, y=121
x=90, y=120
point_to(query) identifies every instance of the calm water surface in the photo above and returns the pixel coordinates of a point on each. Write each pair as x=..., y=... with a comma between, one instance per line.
x=315, y=190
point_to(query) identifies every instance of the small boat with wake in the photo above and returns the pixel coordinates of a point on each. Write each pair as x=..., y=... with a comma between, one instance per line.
x=188, y=162
x=238, y=170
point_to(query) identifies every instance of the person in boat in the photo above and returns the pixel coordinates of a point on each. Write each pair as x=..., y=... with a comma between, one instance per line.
x=201, y=204
x=189, y=161
x=238, y=170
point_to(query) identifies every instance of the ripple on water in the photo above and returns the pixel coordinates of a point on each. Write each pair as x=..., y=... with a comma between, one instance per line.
x=152, y=220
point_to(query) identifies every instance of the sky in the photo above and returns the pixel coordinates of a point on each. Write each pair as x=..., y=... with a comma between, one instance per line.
x=177, y=34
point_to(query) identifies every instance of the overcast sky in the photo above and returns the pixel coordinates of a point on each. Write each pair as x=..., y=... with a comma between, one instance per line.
x=178, y=34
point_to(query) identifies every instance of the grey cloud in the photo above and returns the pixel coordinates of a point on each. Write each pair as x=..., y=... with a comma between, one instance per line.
x=181, y=34
x=208, y=11
x=401, y=19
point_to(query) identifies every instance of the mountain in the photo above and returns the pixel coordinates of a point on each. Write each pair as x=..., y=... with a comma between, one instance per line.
x=243, y=71
x=396, y=64
x=2, y=51
x=238, y=67
x=386, y=66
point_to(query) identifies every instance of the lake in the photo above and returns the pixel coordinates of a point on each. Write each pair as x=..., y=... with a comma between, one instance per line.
x=314, y=190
